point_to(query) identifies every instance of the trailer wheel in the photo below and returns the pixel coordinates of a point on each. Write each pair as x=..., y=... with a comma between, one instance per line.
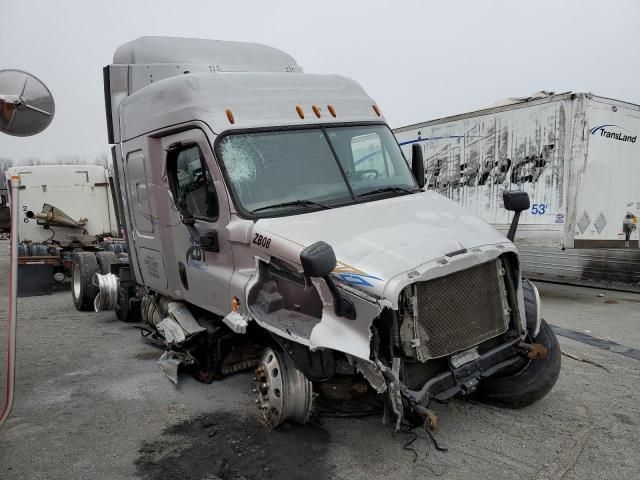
x=39, y=250
x=83, y=290
x=126, y=311
x=531, y=382
x=105, y=259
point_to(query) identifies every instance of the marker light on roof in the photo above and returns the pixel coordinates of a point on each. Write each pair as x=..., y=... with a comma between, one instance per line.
x=230, y=116
x=300, y=111
x=377, y=110
x=316, y=110
x=332, y=110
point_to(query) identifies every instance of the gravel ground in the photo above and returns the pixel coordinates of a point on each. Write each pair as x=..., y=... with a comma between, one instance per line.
x=91, y=402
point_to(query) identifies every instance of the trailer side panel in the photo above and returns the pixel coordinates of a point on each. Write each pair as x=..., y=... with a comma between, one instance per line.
x=608, y=180
x=474, y=159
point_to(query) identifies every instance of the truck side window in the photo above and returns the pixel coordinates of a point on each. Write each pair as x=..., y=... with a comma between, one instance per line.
x=191, y=183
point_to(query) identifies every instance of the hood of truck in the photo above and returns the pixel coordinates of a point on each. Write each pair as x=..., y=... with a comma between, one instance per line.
x=378, y=240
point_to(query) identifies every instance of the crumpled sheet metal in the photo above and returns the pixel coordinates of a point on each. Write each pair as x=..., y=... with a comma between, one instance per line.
x=183, y=316
x=170, y=361
x=171, y=330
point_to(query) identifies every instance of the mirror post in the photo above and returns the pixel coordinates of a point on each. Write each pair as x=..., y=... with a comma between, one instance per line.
x=319, y=260
x=511, y=234
x=515, y=201
x=417, y=164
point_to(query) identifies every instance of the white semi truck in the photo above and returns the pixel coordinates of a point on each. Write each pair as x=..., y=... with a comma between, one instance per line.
x=578, y=157
x=304, y=235
x=64, y=209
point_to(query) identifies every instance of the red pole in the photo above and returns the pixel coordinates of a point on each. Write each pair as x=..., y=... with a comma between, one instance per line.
x=14, y=185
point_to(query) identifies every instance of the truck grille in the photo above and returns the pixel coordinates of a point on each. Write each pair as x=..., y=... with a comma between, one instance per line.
x=461, y=310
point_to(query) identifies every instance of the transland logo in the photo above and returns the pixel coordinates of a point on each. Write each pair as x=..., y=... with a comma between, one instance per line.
x=609, y=131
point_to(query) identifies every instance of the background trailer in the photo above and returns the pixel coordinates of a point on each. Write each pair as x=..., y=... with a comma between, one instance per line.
x=63, y=210
x=578, y=157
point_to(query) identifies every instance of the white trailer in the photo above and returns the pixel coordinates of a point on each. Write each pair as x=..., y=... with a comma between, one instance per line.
x=577, y=155
x=63, y=209
x=80, y=191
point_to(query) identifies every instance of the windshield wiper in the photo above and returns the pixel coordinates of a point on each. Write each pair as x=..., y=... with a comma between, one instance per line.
x=387, y=189
x=294, y=203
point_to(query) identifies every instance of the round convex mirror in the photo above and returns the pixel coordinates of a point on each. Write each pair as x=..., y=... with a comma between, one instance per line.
x=26, y=104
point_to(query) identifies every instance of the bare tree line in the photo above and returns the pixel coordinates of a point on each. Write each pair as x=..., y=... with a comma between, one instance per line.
x=101, y=159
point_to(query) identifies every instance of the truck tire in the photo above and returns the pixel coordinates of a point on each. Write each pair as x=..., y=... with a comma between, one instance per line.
x=114, y=247
x=531, y=382
x=530, y=304
x=105, y=259
x=39, y=250
x=83, y=290
x=127, y=311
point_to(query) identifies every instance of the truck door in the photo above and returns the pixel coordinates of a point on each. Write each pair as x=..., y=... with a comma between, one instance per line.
x=198, y=212
x=140, y=181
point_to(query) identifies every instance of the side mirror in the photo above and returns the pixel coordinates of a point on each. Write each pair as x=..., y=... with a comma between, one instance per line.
x=208, y=241
x=319, y=260
x=26, y=104
x=417, y=164
x=515, y=201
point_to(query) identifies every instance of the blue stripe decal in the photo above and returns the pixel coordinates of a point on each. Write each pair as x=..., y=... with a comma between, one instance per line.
x=595, y=129
x=359, y=279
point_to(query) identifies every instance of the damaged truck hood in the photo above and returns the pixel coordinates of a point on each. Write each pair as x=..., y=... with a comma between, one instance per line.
x=378, y=240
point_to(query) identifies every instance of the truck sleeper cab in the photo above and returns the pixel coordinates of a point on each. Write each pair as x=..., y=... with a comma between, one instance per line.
x=273, y=221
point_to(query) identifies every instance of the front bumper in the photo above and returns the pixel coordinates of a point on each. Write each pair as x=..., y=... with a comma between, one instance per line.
x=465, y=379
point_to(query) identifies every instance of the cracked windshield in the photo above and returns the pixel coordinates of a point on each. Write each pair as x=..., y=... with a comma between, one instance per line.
x=313, y=168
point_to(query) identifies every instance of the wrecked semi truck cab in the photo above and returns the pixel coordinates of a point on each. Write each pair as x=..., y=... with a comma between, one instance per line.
x=268, y=210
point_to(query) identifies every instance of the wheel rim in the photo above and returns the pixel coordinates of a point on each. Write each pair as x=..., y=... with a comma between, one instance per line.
x=284, y=393
x=76, y=281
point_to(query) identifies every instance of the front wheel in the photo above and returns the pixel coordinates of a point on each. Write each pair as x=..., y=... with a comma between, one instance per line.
x=529, y=384
x=284, y=392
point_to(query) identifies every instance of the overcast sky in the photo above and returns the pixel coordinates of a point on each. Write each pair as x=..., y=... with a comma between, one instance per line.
x=419, y=59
